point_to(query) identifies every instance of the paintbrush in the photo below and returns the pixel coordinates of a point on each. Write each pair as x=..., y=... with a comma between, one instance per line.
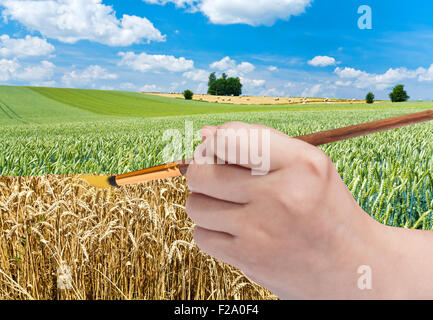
x=179, y=168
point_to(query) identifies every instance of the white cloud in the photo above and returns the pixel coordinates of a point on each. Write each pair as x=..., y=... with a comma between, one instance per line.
x=197, y=75
x=107, y=88
x=145, y=62
x=224, y=64
x=343, y=83
x=313, y=91
x=254, y=13
x=8, y=68
x=201, y=88
x=426, y=75
x=178, y=3
x=322, y=61
x=272, y=92
x=25, y=47
x=149, y=88
x=245, y=67
x=229, y=66
x=349, y=73
x=272, y=68
x=42, y=71
x=127, y=86
x=73, y=20
x=391, y=77
x=253, y=82
x=50, y=83
x=13, y=70
x=87, y=76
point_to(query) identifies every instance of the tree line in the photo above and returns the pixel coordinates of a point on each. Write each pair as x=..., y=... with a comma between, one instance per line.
x=224, y=86
x=398, y=94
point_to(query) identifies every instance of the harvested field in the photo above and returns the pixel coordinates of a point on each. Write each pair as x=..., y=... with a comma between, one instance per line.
x=62, y=239
x=250, y=100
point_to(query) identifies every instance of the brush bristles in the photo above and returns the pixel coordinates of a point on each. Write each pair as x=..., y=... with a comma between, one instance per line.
x=101, y=182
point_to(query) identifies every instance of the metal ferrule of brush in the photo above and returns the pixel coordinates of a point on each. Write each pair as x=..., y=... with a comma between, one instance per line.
x=164, y=171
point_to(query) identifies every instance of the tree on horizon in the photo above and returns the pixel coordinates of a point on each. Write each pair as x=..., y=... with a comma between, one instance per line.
x=224, y=86
x=212, y=84
x=398, y=94
x=370, y=98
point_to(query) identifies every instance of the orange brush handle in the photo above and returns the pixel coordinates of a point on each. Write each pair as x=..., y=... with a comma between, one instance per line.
x=155, y=173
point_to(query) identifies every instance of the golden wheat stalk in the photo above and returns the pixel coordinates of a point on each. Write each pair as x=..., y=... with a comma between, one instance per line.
x=62, y=239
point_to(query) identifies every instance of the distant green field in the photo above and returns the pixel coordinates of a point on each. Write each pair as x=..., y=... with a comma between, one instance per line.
x=30, y=105
x=65, y=131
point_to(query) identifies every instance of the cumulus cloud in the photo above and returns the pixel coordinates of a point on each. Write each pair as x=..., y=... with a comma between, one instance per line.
x=322, y=61
x=224, y=64
x=127, y=86
x=73, y=20
x=50, y=83
x=391, y=77
x=272, y=92
x=87, y=76
x=254, y=13
x=197, y=75
x=13, y=70
x=350, y=73
x=8, y=68
x=343, y=83
x=25, y=47
x=313, y=91
x=178, y=3
x=149, y=88
x=272, y=68
x=42, y=71
x=233, y=69
x=146, y=62
x=245, y=67
x=253, y=82
x=426, y=75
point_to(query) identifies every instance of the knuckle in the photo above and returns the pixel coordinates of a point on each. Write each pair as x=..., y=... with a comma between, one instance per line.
x=318, y=164
x=294, y=191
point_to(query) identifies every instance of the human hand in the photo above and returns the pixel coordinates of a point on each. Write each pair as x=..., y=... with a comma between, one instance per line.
x=297, y=230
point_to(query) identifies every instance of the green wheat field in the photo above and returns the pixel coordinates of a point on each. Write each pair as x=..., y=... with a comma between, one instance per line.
x=135, y=242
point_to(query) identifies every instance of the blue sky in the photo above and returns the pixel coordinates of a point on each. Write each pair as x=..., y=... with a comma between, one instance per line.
x=278, y=48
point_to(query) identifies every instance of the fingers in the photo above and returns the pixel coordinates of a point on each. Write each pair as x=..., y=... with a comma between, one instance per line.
x=208, y=131
x=223, y=182
x=252, y=146
x=213, y=214
x=219, y=245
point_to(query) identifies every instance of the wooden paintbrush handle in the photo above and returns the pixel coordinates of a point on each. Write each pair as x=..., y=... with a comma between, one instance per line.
x=325, y=137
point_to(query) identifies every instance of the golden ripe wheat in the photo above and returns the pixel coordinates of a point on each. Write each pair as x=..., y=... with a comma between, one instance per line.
x=61, y=239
